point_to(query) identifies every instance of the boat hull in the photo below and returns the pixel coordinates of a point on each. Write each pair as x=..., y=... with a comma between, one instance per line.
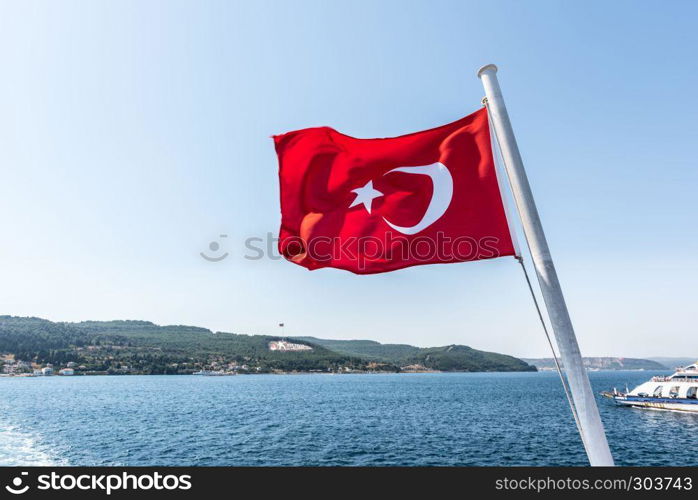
x=670, y=404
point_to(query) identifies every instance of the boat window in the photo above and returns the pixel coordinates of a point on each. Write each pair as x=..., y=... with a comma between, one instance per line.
x=658, y=392
x=691, y=393
x=674, y=391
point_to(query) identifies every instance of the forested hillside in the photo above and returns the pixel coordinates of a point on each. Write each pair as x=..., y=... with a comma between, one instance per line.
x=446, y=358
x=142, y=347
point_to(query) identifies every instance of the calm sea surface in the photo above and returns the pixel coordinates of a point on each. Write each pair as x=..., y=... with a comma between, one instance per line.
x=406, y=419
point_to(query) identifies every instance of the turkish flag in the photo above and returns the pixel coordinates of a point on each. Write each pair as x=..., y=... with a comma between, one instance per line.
x=376, y=205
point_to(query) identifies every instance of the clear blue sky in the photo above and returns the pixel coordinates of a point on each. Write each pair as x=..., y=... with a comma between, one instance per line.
x=132, y=134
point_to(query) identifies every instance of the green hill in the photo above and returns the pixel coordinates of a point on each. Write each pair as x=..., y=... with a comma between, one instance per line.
x=142, y=347
x=447, y=358
x=369, y=349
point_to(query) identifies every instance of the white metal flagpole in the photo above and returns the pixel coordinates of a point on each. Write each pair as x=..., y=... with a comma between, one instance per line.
x=591, y=427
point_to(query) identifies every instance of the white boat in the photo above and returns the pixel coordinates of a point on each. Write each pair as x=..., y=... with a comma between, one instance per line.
x=210, y=373
x=677, y=392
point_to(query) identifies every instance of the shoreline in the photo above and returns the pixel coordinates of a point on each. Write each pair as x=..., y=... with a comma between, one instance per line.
x=246, y=374
x=294, y=373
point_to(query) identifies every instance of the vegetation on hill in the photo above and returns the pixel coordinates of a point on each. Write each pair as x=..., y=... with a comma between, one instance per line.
x=146, y=348
x=446, y=358
x=142, y=347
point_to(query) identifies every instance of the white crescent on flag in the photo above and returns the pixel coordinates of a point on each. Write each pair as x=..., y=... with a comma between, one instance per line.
x=440, y=199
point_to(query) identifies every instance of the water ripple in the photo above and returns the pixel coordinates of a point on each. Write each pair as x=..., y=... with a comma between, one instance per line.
x=418, y=419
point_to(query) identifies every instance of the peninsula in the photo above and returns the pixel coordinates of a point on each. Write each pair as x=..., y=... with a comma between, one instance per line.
x=35, y=346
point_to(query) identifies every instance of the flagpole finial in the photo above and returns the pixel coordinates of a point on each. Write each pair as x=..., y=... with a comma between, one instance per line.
x=485, y=69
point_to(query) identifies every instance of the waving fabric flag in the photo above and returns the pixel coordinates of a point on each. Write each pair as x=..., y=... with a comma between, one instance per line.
x=376, y=205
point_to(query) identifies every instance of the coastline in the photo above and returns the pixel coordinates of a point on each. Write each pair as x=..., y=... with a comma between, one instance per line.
x=291, y=373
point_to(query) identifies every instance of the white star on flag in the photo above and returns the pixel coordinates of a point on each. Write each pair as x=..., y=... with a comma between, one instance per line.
x=365, y=195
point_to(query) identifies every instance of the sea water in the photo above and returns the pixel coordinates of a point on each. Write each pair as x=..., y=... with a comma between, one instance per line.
x=370, y=420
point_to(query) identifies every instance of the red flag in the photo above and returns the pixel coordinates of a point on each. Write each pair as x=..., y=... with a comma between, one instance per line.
x=376, y=205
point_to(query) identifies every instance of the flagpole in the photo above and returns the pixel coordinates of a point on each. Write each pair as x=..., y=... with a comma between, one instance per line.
x=591, y=427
